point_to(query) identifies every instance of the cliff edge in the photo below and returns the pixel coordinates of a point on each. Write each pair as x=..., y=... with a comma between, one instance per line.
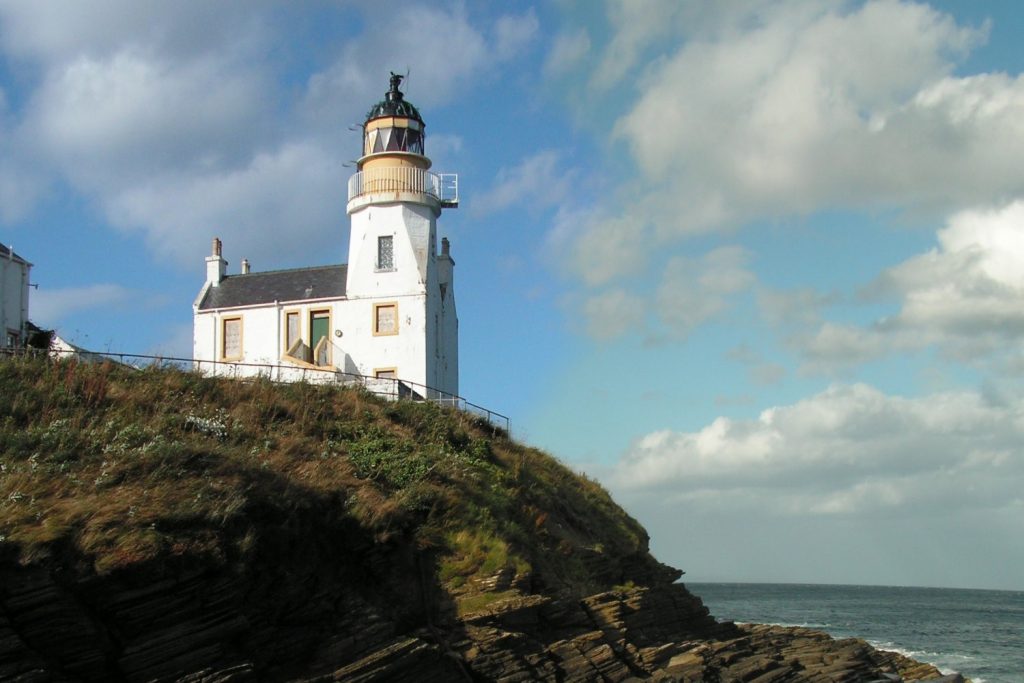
x=157, y=525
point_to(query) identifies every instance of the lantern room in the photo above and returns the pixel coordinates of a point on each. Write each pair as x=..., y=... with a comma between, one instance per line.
x=394, y=126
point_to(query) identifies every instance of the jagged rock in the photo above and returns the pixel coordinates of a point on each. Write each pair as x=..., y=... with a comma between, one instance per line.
x=197, y=628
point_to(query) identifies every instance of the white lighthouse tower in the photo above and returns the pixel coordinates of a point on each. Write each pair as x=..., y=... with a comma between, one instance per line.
x=394, y=266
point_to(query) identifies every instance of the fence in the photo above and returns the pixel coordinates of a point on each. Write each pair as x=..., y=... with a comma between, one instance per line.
x=389, y=388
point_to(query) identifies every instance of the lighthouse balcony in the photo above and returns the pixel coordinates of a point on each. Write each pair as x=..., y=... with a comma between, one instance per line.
x=403, y=183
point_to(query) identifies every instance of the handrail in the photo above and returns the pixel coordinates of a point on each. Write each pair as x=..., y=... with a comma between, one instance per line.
x=442, y=187
x=394, y=179
x=390, y=388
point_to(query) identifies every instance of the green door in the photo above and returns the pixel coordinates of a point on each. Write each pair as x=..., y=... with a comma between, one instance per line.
x=319, y=327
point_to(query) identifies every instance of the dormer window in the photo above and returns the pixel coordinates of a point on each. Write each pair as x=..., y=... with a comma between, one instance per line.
x=386, y=252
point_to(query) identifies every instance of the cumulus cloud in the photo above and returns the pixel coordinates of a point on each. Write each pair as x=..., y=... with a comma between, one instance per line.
x=441, y=48
x=107, y=122
x=291, y=193
x=568, y=50
x=539, y=180
x=962, y=296
x=512, y=33
x=50, y=306
x=695, y=291
x=64, y=30
x=790, y=110
x=848, y=450
x=612, y=313
x=761, y=371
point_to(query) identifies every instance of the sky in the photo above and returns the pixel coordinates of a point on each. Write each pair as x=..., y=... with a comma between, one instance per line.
x=757, y=267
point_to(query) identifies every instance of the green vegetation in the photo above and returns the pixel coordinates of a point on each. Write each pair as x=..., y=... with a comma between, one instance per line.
x=120, y=468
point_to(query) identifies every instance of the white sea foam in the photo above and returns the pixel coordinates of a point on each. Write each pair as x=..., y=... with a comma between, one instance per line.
x=944, y=661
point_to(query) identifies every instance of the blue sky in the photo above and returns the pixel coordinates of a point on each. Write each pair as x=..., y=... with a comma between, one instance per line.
x=756, y=266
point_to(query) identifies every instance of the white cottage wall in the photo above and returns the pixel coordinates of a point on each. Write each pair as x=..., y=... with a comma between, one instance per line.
x=14, y=312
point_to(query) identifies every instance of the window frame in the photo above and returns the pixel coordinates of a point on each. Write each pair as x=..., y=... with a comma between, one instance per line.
x=377, y=266
x=375, y=321
x=224, y=321
x=286, y=314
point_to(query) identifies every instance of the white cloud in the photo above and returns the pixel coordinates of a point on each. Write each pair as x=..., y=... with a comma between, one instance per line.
x=963, y=296
x=108, y=122
x=539, y=180
x=441, y=49
x=20, y=188
x=798, y=108
x=612, y=313
x=47, y=307
x=273, y=208
x=637, y=25
x=850, y=449
x=759, y=370
x=65, y=30
x=567, y=52
x=513, y=33
x=695, y=291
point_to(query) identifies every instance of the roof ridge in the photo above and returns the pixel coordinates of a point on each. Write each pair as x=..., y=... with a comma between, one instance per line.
x=286, y=270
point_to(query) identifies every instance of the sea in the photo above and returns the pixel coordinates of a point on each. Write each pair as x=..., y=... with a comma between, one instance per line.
x=979, y=633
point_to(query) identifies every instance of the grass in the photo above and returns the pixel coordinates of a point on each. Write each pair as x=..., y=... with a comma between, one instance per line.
x=121, y=468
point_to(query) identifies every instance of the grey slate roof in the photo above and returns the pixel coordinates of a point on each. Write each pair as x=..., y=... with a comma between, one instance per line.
x=7, y=253
x=321, y=282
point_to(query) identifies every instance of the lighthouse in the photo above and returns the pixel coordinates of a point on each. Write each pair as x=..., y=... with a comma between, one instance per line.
x=394, y=201
x=389, y=313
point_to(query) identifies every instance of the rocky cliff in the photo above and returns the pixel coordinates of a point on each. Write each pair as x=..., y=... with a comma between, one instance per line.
x=160, y=526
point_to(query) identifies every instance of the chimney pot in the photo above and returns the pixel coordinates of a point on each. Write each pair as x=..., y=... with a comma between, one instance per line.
x=445, y=246
x=245, y=266
x=216, y=246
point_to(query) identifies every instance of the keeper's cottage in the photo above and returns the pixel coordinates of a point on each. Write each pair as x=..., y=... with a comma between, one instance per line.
x=389, y=313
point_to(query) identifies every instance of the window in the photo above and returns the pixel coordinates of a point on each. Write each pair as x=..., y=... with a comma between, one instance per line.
x=386, y=373
x=385, y=319
x=231, y=339
x=292, y=331
x=386, y=252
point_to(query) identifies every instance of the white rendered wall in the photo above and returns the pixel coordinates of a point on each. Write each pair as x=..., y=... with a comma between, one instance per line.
x=413, y=228
x=14, y=311
x=356, y=351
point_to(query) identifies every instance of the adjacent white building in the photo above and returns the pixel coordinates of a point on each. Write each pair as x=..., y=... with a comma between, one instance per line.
x=388, y=313
x=14, y=271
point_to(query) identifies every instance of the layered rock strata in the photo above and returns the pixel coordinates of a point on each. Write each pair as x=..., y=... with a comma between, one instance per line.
x=206, y=629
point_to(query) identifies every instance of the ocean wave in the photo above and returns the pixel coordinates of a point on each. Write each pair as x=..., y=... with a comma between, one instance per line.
x=946, y=662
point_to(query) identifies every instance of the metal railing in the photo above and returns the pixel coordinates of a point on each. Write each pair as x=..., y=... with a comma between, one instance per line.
x=394, y=179
x=389, y=388
x=444, y=187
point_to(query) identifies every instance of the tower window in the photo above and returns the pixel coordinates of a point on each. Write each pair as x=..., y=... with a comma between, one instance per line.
x=385, y=252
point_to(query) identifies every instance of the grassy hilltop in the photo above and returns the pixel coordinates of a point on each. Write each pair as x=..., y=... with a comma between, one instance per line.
x=111, y=468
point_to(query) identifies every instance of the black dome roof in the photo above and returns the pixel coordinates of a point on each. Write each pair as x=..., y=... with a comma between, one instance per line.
x=394, y=104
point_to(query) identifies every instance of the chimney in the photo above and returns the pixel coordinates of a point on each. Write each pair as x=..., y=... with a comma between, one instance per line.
x=245, y=266
x=216, y=266
x=445, y=265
